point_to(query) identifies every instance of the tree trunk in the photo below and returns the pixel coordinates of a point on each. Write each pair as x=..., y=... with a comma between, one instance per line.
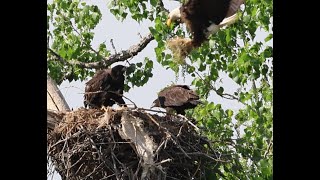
x=55, y=99
x=56, y=104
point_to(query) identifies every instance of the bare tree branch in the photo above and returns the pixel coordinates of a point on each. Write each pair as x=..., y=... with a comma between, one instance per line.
x=121, y=56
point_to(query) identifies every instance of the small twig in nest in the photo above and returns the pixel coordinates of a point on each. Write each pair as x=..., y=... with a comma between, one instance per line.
x=134, y=104
x=163, y=161
x=206, y=155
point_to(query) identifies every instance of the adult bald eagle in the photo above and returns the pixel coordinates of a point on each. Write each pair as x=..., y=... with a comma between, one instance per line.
x=202, y=18
x=178, y=98
x=105, y=88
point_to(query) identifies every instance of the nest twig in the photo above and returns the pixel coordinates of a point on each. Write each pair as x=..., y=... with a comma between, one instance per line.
x=128, y=144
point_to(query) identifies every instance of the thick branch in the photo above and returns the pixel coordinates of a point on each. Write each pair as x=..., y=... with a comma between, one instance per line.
x=55, y=100
x=121, y=56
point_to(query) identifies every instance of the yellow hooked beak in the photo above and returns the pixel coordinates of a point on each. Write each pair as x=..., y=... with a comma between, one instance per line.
x=168, y=22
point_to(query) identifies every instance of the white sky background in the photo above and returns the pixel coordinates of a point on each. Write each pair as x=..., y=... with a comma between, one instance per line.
x=126, y=34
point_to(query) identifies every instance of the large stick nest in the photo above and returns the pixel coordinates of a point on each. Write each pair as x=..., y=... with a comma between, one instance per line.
x=127, y=144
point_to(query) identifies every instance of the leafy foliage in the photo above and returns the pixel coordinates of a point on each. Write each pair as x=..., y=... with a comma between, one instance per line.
x=72, y=33
x=139, y=73
x=243, y=136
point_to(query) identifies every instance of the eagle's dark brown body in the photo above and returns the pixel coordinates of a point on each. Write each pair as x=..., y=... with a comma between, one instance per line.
x=178, y=98
x=105, y=88
x=198, y=15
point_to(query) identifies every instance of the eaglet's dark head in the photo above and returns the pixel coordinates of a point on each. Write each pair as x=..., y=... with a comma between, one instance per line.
x=159, y=102
x=119, y=70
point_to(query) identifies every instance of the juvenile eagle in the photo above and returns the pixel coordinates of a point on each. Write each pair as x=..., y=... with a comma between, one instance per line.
x=202, y=18
x=105, y=88
x=178, y=98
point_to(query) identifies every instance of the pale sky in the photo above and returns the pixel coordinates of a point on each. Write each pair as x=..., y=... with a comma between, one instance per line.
x=126, y=34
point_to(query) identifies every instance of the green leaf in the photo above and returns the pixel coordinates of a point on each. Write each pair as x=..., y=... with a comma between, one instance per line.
x=265, y=168
x=95, y=16
x=268, y=38
x=246, y=19
x=149, y=63
x=243, y=58
x=228, y=36
x=210, y=106
x=268, y=52
x=152, y=30
x=220, y=91
x=139, y=64
x=153, y=2
x=230, y=113
x=269, y=97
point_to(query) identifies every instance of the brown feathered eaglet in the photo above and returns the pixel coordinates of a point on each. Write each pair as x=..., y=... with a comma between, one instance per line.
x=105, y=88
x=178, y=98
x=202, y=18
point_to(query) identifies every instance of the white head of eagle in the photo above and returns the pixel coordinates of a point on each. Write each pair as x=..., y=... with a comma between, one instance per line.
x=174, y=15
